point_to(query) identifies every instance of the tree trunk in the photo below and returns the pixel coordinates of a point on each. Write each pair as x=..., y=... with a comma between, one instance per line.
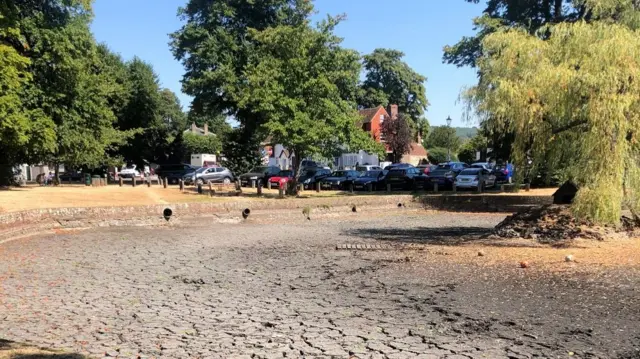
x=293, y=188
x=557, y=10
x=56, y=177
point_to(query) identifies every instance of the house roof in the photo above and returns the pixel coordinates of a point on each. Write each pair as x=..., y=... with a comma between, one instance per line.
x=369, y=114
x=417, y=150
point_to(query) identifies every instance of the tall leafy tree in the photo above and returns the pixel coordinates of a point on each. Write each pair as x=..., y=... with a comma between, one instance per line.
x=389, y=80
x=397, y=136
x=215, y=47
x=444, y=137
x=570, y=95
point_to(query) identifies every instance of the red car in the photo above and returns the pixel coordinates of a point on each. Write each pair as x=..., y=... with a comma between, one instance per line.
x=281, y=179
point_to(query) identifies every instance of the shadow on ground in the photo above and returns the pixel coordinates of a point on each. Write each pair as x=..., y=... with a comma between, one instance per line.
x=11, y=350
x=444, y=236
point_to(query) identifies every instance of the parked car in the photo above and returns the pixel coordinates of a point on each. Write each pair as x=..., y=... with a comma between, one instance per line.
x=174, y=173
x=365, y=168
x=312, y=175
x=262, y=173
x=475, y=177
x=485, y=165
x=446, y=174
x=399, y=165
x=209, y=174
x=502, y=173
x=338, y=179
x=129, y=172
x=406, y=178
x=281, y=179
x=71, y=176
x=374, y=178
x=426, y=169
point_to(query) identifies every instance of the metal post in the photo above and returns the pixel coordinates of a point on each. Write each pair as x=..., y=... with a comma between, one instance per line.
x=370, y=187
x=280, y=192
x=527, y=187
x=253, y=183
x=260, y=188
x=133, y=181
x=389, y=187
x=351, y=187
x=199, y=188
x=149, y=182
x=269, y=184
x=211, y=192
x=454, y=187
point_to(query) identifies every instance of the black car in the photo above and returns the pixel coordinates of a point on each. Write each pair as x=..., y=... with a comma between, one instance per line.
x=262, y=173
x=174, y=173
x=407, y=178
x=398, y=165
x=311, y=176
x=446, y=173
x=370, y=179
x=338, y=179
x=73, y=176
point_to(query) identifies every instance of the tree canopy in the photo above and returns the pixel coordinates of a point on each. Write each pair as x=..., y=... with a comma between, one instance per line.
x=573, y=94
x=389, y=80
x=296, y=78
x=397, y=136
x=444, y=137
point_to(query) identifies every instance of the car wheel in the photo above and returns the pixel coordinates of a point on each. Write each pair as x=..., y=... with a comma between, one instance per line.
x=200, y=181
x=226, y=180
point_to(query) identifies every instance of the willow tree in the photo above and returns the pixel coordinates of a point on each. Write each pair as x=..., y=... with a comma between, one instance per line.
x=574, y=92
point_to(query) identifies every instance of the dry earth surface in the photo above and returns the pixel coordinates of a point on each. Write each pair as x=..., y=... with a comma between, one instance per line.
x=35, y=197
x=201, y=290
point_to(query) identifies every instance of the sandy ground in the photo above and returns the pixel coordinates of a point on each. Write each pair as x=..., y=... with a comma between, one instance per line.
x=35, y=197
x=198, y=289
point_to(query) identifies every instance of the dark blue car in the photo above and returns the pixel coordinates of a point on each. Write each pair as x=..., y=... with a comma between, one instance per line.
x=446, y=173
x=373, y=180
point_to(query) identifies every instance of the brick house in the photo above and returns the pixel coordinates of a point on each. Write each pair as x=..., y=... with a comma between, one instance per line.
x=372, y=122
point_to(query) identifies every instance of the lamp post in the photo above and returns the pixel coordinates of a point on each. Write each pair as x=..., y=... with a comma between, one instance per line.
x=449, y=139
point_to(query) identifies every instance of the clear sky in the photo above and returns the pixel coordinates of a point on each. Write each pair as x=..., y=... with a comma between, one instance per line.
x=419, y=28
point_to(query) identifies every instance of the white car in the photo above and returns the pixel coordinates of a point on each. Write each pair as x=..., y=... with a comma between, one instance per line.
x=475, y=177
x=132, y=172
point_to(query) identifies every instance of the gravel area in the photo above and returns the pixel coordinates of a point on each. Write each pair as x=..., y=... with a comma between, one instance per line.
x=266, y=290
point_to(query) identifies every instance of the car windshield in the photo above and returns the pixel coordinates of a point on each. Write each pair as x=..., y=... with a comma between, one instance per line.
x=470, y=172
x=370, y=174
x=284, y=173
x=339, y=174
x=201, y=170
x=309, y=173
x=259, y=169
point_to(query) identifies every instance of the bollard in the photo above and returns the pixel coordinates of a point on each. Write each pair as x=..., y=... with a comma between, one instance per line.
x=133, y=181
x=253, y=183
x=165, y=182
x=480, y=187
x=149, y=182
x=318, y=189
x=238, y=186
x=269, y=185
x=351, y=187
x=199, y=186
x=527, y=187
x=181, y=182
x=502, y=188
x=454, y=187
x=389, y=187
x=260, y=188
x=435, y=187
x=280, y=192
x=211, y=192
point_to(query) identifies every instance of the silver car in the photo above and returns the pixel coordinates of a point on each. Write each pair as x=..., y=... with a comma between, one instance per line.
x=209, y=174
x=475, y=177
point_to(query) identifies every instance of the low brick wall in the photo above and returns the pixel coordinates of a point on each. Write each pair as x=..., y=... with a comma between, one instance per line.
x=483, y=203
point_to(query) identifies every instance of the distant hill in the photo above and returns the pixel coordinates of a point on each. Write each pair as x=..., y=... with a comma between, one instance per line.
x=466, y=132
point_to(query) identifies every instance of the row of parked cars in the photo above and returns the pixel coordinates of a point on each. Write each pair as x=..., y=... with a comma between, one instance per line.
x=368, y=177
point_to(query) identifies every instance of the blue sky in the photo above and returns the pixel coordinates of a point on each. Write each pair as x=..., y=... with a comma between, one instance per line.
x=419, y=28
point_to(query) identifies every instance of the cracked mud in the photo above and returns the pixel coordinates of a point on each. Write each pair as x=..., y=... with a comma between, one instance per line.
x=274, y=290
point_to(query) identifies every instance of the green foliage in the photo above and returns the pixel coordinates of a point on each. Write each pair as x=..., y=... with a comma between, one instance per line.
x=398, y=136
x=214, y=46
x=573, y=94
x=194, y=143
x=439, y=155
x=389, y=80
x=296, y=79
x=465, y=133
x=467, y=153
x=445, y=137
x=241, y=151
x=217, y=123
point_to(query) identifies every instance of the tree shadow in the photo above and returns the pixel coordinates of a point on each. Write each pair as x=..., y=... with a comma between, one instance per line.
x=47, y=356
x=13, y=350
x=443, y=236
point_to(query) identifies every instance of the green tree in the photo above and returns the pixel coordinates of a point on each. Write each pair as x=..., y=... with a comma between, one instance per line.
x=295, y=80
x=241, y=151
x=570, y=95
x=467, y=153
x=389, y=80
x=438, y=155
x=194, y=143
x=214, y=46
x=444, y=137
x=397, y=136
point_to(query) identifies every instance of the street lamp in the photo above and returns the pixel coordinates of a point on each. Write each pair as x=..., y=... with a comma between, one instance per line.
x=449, y=139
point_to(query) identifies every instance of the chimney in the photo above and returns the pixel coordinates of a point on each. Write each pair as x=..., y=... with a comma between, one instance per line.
x=206, y=129
x=393, y=111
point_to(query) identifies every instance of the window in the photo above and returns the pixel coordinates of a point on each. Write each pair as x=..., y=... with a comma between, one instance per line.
x=219, y=169
x=381, y=118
